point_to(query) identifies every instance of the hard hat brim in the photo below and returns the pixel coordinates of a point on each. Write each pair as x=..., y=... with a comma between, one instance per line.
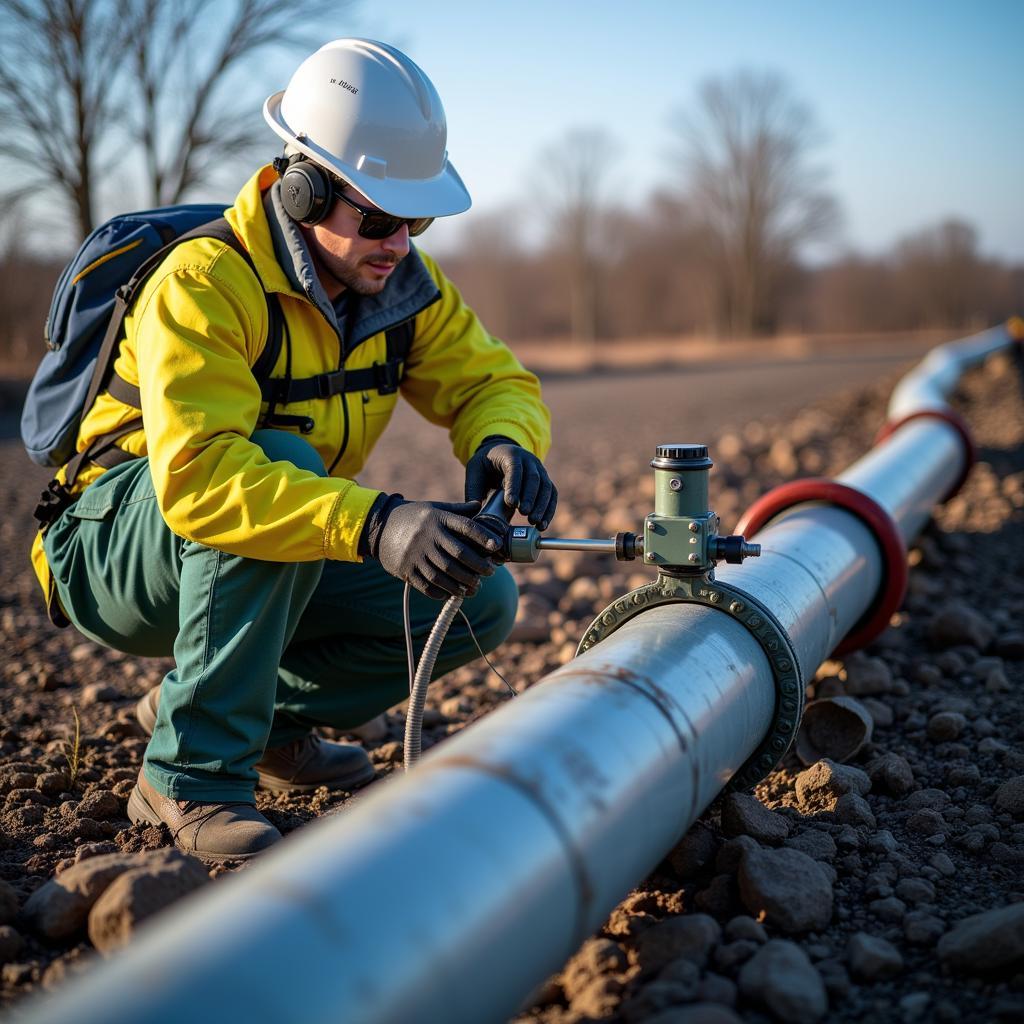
x=442, y=196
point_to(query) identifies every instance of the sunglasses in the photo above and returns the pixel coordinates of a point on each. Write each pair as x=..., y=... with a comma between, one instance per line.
x=377, y=224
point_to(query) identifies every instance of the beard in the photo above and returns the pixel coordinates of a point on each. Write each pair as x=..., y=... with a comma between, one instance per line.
x=348, y=272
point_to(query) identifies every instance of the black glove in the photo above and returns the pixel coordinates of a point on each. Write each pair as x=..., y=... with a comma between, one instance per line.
x=499, y=462
x=434, y=546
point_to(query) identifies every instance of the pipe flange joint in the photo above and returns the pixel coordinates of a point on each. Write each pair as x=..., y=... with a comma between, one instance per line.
x=957, y=422
x=762, y=626
x=817, y=490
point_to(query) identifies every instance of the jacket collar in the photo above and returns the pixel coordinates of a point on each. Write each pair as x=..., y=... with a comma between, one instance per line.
x=283, y=262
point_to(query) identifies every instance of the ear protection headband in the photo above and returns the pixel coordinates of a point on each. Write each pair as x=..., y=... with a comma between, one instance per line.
x=306, y=190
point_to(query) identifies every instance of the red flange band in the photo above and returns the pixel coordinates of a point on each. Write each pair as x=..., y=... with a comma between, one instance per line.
x=956, y=421
x=882, y=526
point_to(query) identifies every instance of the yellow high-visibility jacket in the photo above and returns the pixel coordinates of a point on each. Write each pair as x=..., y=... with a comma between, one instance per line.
x=191, y=340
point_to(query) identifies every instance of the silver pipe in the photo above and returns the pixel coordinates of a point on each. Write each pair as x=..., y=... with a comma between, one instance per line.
x=576, y=544
x=449, y=893
x=931, y=382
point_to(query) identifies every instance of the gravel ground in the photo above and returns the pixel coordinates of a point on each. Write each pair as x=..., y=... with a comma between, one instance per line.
x=835, y=891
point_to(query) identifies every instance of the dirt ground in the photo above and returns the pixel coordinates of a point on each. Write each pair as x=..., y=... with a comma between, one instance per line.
x=935, y=834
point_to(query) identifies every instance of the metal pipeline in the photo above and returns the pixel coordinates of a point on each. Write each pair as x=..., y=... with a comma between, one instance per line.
x=451, y=893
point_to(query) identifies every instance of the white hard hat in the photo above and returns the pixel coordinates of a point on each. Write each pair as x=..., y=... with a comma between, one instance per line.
x=367, y=113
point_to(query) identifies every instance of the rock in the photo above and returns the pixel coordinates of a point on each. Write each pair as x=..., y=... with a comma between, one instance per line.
x=942, y=864
x=9, y=902
x=598, y=998
x=963, y=775
x=913, y=1006
x=59, y=908
x=996, y=681
x=835, y=977
x=934, y=799
x=833, y=727
x=927, y=822
x=1010, y=796
x=958, y=624
x=872, y=958
x=883, y=841
x=923, y=929
x=99, y=693
x=696, y=849
x=945, y=726
x=792, y=890
x=691, y=936
x=53, y=783
x=816, y=844
x=743, y=927
x=11, y=944
x=682, y=972
x=881, y=713
x=891, y=909
x=820, y=786
x=989, y=941
x=720, y=897
x=653, y=998
x=852, y=809
x=596, y=957
x=100, y=803
x=745, y=815
x=731, y=852
x=892, y=774
x=781, y=978
x=531, y=624
x=729, y=956
x=866, y=676
x=915, y=890
x=713, y=988
x=163, y=877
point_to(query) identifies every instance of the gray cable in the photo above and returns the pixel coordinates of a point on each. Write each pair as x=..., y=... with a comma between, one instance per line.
x=418, y=696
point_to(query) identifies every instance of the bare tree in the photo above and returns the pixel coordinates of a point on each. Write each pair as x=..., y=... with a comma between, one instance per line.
x=745, y=150
x=58, y=59
x=576, y=170
x=182, y=53
x=74, y=74
x=940, y=276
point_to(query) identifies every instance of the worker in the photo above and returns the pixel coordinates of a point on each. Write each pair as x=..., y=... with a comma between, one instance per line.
x=231, y=533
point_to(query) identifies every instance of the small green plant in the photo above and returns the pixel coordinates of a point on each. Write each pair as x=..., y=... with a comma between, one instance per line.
x=73, y=750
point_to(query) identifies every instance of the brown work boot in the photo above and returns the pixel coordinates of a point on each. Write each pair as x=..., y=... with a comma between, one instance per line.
x=301, y=766
x=213, y=832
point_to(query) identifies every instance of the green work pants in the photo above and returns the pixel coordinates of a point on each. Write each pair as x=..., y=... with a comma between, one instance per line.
x=262, y=650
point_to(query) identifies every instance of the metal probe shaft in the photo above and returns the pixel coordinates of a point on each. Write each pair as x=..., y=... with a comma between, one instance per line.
x=576, y=544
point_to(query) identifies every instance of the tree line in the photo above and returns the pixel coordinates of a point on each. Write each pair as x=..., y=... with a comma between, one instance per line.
x=91, y=87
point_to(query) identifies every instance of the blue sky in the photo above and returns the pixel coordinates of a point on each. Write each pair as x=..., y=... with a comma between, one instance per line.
x=919, y=103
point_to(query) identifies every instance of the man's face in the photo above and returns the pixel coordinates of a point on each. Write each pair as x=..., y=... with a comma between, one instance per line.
x=347, y=260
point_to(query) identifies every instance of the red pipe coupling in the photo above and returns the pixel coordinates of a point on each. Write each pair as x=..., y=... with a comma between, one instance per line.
x=882, y=526
x=956, y=421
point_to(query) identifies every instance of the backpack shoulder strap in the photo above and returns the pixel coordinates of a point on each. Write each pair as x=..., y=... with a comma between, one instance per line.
x=103, y=374
x=221, y=230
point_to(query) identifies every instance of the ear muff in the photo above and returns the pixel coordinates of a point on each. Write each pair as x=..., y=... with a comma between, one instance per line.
x=305, y=190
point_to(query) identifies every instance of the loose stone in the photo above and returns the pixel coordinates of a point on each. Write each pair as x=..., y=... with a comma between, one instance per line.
x=872, y=958
x=781, y=978
x=990, y=941
x=792, y=890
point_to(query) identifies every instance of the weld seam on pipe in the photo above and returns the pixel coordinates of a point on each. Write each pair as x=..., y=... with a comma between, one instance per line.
x=573, y=856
